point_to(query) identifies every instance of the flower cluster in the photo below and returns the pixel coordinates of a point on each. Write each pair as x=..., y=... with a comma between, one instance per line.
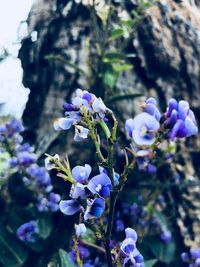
x=91, y=195
x=84, y=106
x=93, y=191
x=178, y=121
x=130, y=252
x=142, y=221
x=22, y=160
x=192, y=258
x=28, y=232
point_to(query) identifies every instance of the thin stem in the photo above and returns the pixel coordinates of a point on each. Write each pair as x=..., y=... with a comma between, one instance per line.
x=113, y=199
x=100, y=249
x=94, y=138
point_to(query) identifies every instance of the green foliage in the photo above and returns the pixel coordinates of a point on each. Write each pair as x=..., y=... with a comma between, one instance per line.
x=164, y=252
x=150, y=263
x=65, y=260
x=12, y=252
x=45, y=227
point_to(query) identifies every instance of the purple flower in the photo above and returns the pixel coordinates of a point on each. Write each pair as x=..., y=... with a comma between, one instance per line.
x=13, y=162
x=12, y=127
x=78, y=190
x=99, y=107
x=94, y=209
x=42, y=177
x=69, y=207
x=83, y=98
x=151, y=168
x=81, y=133
x=64, y=123
x=81, y=173
x=129, y=250
x=180, y=119
x=28, y=232
x=185, y=257
x=100, y=185
x=142, y=129
x=119, y=226
x=150, y=107
x=195, y=253
x=26, y=158
x=53, y=200
x=166, y=236
x=116, y=175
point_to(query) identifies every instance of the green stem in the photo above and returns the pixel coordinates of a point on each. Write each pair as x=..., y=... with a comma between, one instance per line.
x=113, y=199
x=105, y=128
x=94, y=138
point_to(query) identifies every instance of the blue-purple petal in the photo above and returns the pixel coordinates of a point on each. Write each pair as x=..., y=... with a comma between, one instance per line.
x=69, y=207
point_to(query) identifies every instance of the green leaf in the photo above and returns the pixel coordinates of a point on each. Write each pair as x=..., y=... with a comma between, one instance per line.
x=127, y=22
x=162, y=220
x=123, y=67
x=89, y=236
x=45, y=227
x=122, y=97
x=110, y=79
x=164, y=252
x=113, y=57
x=150, y=263
x=12, y=252
x=65, y=260
x=117, y=33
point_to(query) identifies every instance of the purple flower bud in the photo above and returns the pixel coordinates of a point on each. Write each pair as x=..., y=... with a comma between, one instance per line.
x=150, y=107
x=180, y=119
x=185, y=257
x=26, y=158
x=195, y=253
x=152, y=169
x=166, y=236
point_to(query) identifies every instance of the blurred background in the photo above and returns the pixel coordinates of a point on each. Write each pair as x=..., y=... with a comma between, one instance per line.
x=48, y=48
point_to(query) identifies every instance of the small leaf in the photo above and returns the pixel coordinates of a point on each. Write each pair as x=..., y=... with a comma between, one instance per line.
x=65, y=260
x=45, y=227
x=162, y=220
x=128, y=22
x=89, y=236
x=110, y=79
x=12, y=252
x=122, y=97
x=117, y=33
x=113, y=57
x=123, y=67
x=164, y=252
x=150, y=263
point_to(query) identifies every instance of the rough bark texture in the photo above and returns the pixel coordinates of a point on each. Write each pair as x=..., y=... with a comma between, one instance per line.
x=167, y=64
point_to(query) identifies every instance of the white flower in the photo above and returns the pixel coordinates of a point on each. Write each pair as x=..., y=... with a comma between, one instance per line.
x=80, y=229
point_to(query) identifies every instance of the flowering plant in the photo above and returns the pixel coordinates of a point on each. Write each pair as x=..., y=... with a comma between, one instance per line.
x=94, y=197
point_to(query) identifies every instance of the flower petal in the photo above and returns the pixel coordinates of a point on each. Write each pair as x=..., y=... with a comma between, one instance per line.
x=69, y=207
